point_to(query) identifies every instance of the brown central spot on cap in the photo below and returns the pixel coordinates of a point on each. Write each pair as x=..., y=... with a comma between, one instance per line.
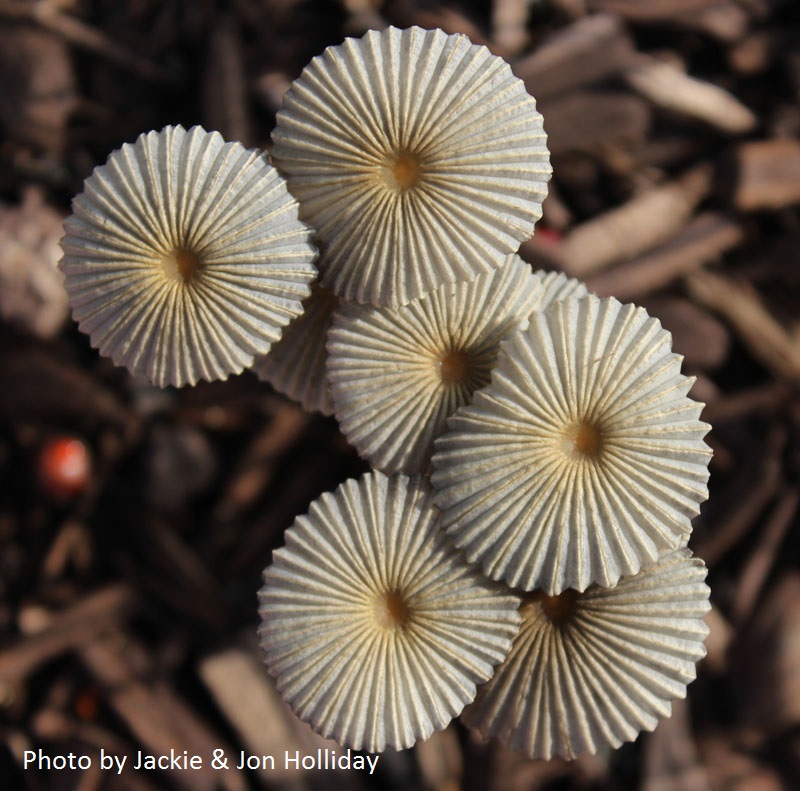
x=392, y=611
x=182, y=264
x=406, y=171
x=402, y=170
x=584, y=440
x=559, y=609
x=455, y=366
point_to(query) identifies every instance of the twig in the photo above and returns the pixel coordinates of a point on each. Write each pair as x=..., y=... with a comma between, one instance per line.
x=718, y=642
x=555, y=211
x=155, y=715
x=440, y=761
x=760, y=562
x=243, y=690
x=766, y=666
x=702, y=339
x=71, y=544
x=671, y=89
x=572, y=9
x=586, y=52
x=725, y=21
x=509, y=33
x=765, y=399
x=765, y=174
x=652, y=10
x=747, y=495
x=585, y=121
x=405, y=13
x=224, y=86
x=671, y=759
x=635, y=227
x=256, y=470
x=756, y=52
x=704, y=240
x=67, y=630
x=759, y=331
x=278, y=513
x=52, y=724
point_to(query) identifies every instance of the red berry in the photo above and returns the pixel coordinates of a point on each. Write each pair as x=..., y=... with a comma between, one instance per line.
x=63, y=467
x=548, y=235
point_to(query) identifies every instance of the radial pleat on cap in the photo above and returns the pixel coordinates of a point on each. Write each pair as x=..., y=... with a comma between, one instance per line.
x=556, y=286
x=184, y=256
x=375, y=628
x=418, y=157
x=594, y=669
x=296, y=365
x=396, y=374
x=583, y=460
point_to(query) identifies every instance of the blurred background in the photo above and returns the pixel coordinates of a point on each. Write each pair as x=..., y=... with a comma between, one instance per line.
x=135, y=522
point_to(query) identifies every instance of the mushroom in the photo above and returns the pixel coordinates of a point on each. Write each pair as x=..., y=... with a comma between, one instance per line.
x=583, y=460
x=420, y=160
x=184, y=256
x=596, y=668
x=396, y=374
x=296, y=365
x=375, y=628
x=418, y=157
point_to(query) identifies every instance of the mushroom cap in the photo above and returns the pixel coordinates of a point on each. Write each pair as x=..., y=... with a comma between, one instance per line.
x=396, y=374
x=418, y=157
x=583, y=460
x=556, y=286
x=597, y=668
x=375, y=628
x=296, y=364
x=184, y=256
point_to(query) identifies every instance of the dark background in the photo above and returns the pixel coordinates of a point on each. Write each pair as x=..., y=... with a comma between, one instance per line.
x=127, y=603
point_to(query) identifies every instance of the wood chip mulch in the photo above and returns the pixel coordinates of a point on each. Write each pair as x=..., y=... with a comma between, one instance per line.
x=127, y=605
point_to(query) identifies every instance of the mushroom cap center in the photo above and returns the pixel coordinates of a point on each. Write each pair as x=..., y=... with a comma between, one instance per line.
x=559, y=609
x=404, y=169
x=583, y=440
x=392, y=610
x=455, y=366
x=182, y=264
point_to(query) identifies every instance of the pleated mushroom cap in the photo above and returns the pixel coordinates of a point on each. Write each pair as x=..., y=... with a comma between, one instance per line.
x=184, y=256
x=397, y=373
x=418, y=157
x=594, y=669
x=583, y=460
x=556, y=286
x=296, y=365
x=375, y=628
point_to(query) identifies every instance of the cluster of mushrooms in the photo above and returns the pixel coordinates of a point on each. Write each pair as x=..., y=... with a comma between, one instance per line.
x=520, y=547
